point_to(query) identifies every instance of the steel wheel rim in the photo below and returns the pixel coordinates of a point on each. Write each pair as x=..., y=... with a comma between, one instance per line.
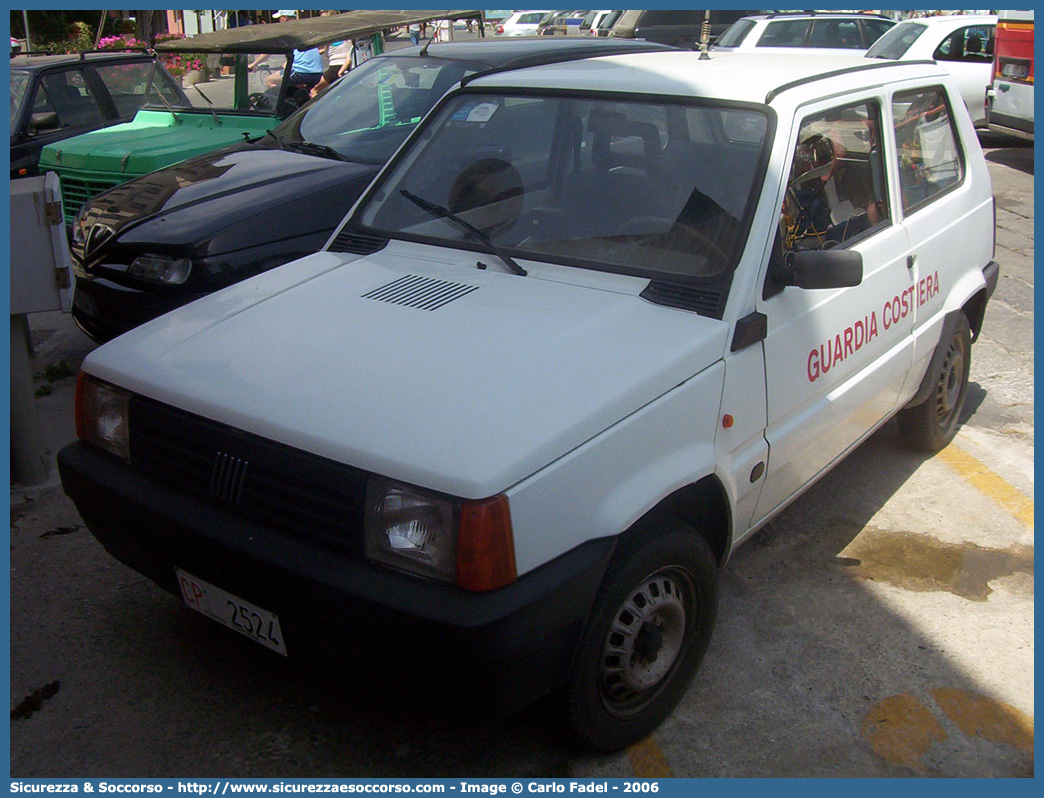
x=652, y=620
x=951, y=381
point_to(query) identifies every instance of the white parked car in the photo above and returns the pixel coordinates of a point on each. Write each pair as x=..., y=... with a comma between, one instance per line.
x=592, y=326
x=812, y=33
x=520, y=23
x=589, y=27
x=961, y=43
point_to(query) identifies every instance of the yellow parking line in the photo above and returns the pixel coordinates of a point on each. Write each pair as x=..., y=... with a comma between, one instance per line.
x=989, y=483
x=648, y=761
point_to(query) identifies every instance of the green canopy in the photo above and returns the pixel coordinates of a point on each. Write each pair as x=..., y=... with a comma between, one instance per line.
x=303, y=34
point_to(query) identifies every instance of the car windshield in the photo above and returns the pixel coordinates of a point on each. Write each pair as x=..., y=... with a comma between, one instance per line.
x=19, y=83
x=897, y=41
x=736, y=33
x=367, y=114
x=630, y=186
x=225, y=83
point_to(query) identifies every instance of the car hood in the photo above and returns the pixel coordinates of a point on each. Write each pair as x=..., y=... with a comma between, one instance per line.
x=330, y=354
x=194, y=200
x=151, y=141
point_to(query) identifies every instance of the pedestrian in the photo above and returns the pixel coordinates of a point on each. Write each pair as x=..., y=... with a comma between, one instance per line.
x=340, y=61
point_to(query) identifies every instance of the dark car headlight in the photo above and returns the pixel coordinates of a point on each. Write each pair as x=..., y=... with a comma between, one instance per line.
x=161, y=269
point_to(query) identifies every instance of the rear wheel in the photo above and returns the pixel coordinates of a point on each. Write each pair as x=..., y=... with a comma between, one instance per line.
x=645, y=637
x=931, y=425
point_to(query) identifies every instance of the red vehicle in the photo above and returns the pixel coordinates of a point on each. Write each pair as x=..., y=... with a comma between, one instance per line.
x=1009, y=99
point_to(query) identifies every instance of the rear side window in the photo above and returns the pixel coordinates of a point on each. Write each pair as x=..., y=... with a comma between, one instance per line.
x=967, y=45
x=736, y=33
x=787, y=33
x=929, y=156
x=530, y=19
x=836, y=187
x=875, y=29
x=840, y=33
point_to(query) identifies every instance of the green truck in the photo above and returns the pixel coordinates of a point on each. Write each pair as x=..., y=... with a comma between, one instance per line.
x=246, y=95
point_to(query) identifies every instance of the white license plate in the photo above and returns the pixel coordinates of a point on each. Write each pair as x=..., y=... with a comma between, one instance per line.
x=1015, y=71
x=248, y=619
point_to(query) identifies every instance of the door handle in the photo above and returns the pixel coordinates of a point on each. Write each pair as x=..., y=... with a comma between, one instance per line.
x=911, y=260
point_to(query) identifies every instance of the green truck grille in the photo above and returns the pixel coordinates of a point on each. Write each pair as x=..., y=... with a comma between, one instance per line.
x=76, y=191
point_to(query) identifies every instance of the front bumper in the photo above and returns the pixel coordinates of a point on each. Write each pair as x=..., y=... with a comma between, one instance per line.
x=505, y=648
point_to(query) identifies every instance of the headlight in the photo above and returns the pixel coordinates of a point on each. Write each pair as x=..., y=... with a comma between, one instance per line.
x=101, y=415
x=467, y=542
x=158, y=269
x=411, y=531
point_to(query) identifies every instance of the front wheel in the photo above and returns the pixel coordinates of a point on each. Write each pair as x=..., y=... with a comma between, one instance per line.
x=931, y=425
x=645, y=637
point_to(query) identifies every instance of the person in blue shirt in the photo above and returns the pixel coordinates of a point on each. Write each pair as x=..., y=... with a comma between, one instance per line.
x=306, y=69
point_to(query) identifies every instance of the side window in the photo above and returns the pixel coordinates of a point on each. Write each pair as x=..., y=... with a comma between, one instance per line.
x=875, y=29
x=69, y=95
x=841, y=33
x=968, y=45
x=929, y=156
x=789, y=33
x=836, y=187
x=44, y=118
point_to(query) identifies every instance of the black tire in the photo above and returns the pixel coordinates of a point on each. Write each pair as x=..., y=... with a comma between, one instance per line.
x=931, y=425
x=660, y=594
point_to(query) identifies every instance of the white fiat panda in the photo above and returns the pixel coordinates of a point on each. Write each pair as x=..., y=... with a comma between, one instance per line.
x=593, y=326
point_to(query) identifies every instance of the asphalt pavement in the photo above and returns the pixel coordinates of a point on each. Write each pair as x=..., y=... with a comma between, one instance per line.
x=881, y=626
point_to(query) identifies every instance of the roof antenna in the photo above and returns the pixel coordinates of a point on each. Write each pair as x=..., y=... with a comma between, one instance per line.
x=705, y=31
x=427, y=44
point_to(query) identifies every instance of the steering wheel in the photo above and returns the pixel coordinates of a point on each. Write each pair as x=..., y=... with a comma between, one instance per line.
x=257, y=101
x=677, y=237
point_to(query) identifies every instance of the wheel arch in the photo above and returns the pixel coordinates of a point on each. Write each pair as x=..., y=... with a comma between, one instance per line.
x=702, y=505
x=975, y=310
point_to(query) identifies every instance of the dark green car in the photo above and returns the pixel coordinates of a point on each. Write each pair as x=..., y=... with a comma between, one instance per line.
x=58, y=97
x=248, y=95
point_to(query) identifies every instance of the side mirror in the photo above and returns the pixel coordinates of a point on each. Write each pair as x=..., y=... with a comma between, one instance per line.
x=45, y=120
x=825, y=268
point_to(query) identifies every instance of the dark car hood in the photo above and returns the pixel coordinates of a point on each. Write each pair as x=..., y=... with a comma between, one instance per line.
x=197, y=199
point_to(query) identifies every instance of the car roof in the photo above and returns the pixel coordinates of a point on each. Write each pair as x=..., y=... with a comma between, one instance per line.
x=519, y=51
x=750, y=77
x=955, y=20
x=784, y=15
x=303, y=34
x=29, y=61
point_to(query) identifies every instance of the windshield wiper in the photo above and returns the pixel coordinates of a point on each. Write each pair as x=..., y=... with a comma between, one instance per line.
x=474, y=232
x=278, y=141
x=311, y=148
x=166, y=102
x=211, y=109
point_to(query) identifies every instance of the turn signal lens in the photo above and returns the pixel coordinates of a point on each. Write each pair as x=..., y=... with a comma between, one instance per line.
x=485, y=545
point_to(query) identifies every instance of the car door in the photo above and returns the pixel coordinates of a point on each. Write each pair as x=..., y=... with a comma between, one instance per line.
x=835, y=358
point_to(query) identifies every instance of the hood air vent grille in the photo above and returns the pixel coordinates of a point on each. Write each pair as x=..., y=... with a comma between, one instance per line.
x=356, y=244
x=706, y=301
x=422, y=293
